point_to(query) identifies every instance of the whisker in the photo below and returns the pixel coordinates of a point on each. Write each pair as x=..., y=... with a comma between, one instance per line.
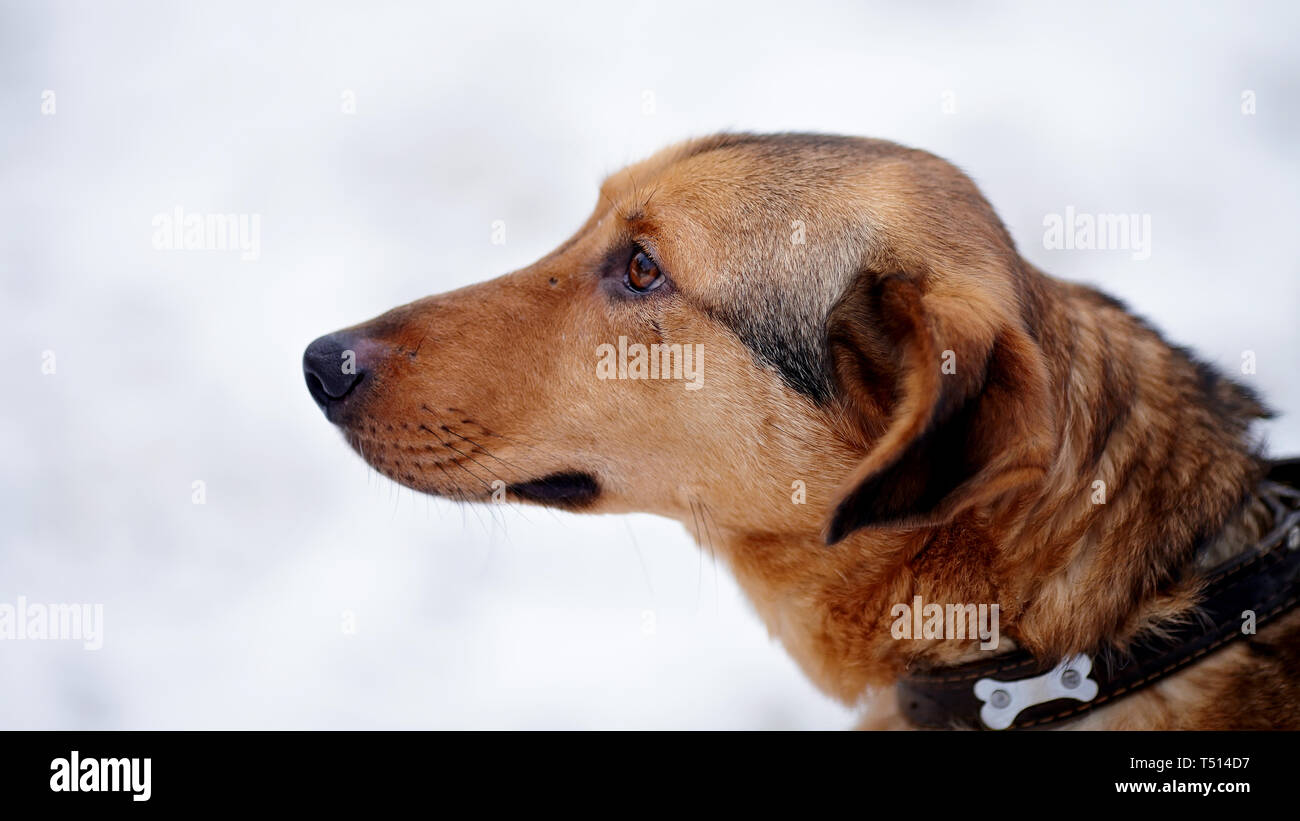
x=636, y=548
x=448, y=445
x=699, y=575
x=511, y=439
x=713, y=554
x=485, y=483
x=486, y=452
x=456, y=492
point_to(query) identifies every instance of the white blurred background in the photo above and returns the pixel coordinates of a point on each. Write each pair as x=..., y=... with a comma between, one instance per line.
x=177, y=366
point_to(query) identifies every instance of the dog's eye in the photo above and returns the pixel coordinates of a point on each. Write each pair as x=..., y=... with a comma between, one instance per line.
x=643, y=274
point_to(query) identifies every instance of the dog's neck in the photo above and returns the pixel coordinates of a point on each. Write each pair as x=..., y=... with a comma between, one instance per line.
x=1146, y=488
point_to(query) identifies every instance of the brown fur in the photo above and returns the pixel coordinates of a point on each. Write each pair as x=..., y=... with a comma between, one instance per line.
x=823, y=365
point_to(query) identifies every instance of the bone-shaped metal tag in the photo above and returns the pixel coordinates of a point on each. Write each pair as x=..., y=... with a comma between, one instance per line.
x=1003, y=700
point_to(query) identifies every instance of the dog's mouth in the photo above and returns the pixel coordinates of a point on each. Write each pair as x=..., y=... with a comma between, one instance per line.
x=462, y=469
x=569, y=489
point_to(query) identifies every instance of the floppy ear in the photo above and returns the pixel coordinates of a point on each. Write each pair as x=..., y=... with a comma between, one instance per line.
x=948, y=392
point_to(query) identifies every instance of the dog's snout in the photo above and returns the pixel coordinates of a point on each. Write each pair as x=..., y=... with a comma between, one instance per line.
x=333, y=369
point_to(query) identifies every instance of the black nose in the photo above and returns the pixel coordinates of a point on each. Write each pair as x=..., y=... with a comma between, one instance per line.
x=333, y=369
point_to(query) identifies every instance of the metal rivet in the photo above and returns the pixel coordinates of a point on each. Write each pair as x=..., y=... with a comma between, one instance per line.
x=1000, y=699
x=1070, y=679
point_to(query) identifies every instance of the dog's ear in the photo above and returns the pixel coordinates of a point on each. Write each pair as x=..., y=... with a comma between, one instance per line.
x=946, y=390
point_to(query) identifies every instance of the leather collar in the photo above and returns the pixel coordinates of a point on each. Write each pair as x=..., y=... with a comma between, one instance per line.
x=1016, y=690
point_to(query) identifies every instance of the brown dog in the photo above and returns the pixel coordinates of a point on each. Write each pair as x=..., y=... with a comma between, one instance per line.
x=895, y=404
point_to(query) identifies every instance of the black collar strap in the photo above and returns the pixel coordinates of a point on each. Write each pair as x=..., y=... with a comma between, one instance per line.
x=1016, y=690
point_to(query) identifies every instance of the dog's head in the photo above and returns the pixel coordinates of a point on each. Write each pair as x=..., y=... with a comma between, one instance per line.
x=742, y=319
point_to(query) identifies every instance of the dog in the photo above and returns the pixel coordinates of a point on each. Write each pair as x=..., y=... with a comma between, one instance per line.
x=896, y=407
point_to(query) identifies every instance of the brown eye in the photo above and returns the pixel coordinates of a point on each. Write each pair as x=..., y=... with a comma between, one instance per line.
x=642, y=274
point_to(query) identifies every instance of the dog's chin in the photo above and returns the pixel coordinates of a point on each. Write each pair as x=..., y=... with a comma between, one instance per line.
x=571, y=490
